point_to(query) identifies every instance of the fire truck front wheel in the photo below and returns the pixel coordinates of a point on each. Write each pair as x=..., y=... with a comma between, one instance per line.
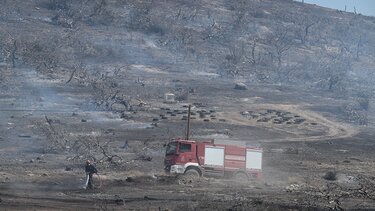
x=192, y=172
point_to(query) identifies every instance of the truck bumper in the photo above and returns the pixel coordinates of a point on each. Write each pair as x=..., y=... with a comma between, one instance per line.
x=177, y=169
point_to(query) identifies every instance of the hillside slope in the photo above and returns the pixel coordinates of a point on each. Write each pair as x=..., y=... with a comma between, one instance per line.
x=267, y=41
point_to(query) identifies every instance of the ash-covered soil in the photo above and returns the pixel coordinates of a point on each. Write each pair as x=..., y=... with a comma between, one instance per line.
x=311, y=159
x=80, y=79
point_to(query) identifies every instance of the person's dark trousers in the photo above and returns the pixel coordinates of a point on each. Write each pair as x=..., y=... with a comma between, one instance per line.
x=90, y=184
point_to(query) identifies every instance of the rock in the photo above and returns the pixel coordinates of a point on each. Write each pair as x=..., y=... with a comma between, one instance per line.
x=83, y=120
x=240, y=86
x=245, y=113
x=68, y=169
x=120, y=201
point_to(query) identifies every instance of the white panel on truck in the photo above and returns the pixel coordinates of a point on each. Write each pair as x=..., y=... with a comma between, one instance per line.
x=253, y=159
x=214, y=156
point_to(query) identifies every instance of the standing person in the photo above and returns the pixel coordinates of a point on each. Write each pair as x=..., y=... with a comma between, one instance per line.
x=90, y=170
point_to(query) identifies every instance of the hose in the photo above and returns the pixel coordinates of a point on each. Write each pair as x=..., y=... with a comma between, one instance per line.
x=87, y=181
x=100, y=180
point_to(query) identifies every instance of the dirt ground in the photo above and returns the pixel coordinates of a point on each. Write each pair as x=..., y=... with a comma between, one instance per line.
x=304, y=145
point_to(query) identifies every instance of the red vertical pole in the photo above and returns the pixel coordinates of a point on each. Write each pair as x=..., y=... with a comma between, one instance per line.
x=188, y=124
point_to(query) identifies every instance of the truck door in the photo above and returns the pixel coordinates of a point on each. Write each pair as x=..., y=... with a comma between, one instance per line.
x=187, y=152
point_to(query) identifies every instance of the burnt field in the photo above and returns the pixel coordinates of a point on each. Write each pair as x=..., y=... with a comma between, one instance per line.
x=87, y=80
x=318, y=163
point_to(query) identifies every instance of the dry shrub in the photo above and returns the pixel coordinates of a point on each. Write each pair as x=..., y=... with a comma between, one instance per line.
x=330, y=175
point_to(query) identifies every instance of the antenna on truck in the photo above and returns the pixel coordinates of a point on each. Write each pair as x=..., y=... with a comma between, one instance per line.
x=188, y=124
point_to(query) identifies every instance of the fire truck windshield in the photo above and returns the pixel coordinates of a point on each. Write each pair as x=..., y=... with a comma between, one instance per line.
x=171, y=148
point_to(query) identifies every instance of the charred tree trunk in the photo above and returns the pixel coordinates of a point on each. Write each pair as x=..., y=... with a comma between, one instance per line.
x=13, y=54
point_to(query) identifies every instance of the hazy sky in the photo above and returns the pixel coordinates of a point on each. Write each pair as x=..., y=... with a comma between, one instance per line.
x=365, y=7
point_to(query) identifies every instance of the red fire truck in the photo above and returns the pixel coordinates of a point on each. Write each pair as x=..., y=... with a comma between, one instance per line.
x=205, y=158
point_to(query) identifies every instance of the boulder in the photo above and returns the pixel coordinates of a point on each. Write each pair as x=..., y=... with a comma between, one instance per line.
x=240, y=86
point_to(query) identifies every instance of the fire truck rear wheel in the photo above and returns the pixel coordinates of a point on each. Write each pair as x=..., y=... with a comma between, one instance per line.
x=192, y=172
x=241, y=176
